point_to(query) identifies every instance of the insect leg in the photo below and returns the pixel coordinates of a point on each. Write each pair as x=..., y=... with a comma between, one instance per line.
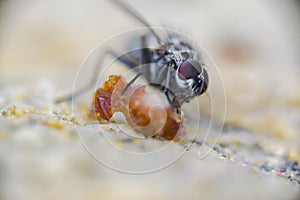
x=130, y=83
x=176, y=104
x=126, y=6
x=126, y=60
x=168, y=96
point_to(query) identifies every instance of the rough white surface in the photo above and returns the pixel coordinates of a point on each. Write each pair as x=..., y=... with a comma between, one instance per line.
x=42, y=44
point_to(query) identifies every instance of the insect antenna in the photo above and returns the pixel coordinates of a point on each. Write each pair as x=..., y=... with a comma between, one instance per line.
x=126, y=6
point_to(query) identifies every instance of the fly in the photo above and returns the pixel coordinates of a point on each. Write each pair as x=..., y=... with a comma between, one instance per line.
x=173, y=65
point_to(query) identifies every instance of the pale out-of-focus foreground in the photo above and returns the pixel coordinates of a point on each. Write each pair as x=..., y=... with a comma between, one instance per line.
x=254, y=43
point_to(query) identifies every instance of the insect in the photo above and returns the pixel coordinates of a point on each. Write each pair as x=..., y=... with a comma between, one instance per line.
x=173, y=65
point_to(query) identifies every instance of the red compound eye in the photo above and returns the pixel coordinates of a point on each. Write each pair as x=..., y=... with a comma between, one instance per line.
x=189, y=69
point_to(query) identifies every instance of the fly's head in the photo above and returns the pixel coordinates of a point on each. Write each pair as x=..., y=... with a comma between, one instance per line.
x=192, y=74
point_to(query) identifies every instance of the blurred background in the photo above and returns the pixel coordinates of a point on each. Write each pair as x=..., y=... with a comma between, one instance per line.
x=254, y=43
